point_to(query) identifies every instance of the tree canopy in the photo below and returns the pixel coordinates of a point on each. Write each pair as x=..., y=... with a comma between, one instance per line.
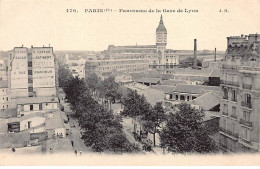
x=185, y=132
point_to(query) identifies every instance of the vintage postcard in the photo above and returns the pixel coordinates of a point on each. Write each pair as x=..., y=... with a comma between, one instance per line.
x=129, y=82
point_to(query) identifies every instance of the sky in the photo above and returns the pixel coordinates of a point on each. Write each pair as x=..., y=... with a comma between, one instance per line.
x=44, y=22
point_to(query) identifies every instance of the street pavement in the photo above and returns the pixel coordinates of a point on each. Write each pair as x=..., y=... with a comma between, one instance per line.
x=75, y=135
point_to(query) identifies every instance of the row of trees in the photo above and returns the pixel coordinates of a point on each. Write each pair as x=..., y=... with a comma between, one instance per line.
x=101, y=129
x=137, y=107
x=184, y=130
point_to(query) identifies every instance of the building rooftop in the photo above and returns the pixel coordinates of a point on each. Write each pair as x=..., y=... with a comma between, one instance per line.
x=173, y=82
x=133, y=46
x=55, y=122
x=164, y=88
x=34, y=100
x=207, y=101
x=210, y=115
x=195, y=89
x=8, y=113
x=147, y=80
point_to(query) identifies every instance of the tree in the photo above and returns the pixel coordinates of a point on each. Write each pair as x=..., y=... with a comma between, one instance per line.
x=93, y=83
x=73, y=89
x=153, y=119
x=118, y=143
x=135, y=106
x=188, y=62
x=185, y=132
x=110, y=89
x=64, y=75
x=98, y=124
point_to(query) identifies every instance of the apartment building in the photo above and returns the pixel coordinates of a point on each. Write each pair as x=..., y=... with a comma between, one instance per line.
x=104, y=68
x=240, y=106
x=33, y=74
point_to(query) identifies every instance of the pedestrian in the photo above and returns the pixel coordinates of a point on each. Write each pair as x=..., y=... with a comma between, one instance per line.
x=13, y=150
x=76, y=152
x=51, y=150
x=80, y=152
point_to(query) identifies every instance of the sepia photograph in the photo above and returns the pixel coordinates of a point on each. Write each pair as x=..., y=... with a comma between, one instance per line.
x=129, y=82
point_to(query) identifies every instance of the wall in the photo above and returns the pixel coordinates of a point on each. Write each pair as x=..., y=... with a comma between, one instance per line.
x=35, y=121
x=61, y=130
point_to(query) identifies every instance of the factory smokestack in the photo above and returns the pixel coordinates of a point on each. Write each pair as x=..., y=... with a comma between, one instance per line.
x=195, y=54
x=215, y=57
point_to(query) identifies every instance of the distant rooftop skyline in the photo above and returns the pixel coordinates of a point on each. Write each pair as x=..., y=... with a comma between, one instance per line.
x=46, y=22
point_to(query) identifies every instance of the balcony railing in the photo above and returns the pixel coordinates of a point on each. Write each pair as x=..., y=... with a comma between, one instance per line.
x=245, y=141
x=234, y=116
x=231, y=83
x=247, y=86
x=225, y=97
x=228, y=132
x=246, y=123
x=234, y=99
x=225, y=113
x=246, y=104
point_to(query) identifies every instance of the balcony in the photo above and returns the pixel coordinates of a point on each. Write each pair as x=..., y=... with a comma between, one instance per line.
x=246, y=104
x=246, y=123
x=233, y=116
x=249, y=144
x=225, y=114
x=228, y=133
x=234, y=99
x=231, y=83
x=247, y=86
x=225, y=97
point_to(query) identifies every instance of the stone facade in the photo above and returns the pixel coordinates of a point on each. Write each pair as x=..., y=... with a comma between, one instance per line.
x=240, y=119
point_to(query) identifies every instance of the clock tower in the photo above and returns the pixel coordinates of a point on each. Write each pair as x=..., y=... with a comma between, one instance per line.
x=161, y=41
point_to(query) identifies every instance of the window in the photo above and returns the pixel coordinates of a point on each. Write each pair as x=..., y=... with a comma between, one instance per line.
x=29, y=124
x=177, y=97
x=29, y=63
x=30, y=89
x=248, y=98
x=40, y=106
x=233, y=129
x=182, y=97
x=225, y=124
x=188, y=98
x=31, y=106
x=246, y=134
x=225, y=93
x=6, y=98
x=225, y=109
x=30, y=80
x=246, y=116
x=233, y=112
x=29, y=72
x=234, y=95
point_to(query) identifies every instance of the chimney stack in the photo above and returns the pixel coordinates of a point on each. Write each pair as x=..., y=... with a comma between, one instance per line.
x=195, y=54
x=215, y=57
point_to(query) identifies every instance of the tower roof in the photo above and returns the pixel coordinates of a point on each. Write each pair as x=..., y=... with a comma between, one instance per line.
x=161, y=27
